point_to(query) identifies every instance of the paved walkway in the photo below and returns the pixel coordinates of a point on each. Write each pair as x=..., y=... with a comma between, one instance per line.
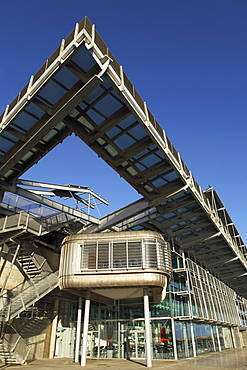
x=234, y=359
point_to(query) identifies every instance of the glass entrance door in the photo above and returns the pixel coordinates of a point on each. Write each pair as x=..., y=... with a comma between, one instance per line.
x=136, y=344
x=93, y=344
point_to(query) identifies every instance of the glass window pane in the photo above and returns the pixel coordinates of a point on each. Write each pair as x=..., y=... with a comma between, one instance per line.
x=88, y=260
x=103, y=255
x=119, y=255
x=183, y=340
x=162, y=340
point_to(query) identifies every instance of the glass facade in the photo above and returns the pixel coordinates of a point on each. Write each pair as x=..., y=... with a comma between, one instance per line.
x=194, y=319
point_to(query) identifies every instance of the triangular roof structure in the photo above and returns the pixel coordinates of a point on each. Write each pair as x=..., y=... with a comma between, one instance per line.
x=81, y=88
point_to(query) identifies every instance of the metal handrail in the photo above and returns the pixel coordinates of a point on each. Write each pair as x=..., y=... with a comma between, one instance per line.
x=29, y=295
x=15, y=344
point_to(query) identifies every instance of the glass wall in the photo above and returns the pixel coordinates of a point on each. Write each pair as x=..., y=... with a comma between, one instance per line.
x=225, y=337
x=194, y=298
x=205, y=338
x=162, y=339
x=183, y=339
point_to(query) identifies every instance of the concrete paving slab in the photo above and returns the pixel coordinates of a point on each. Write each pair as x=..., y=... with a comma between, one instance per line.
x=235, y=359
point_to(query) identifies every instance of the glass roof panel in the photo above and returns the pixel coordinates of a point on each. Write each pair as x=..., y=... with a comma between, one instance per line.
x=182, y=210
x=85, y=123
x=74, y=113
x=148, y=188
x=101, y=141
x=60, y=125
x=83, y=105
x=108, y=105
x=52, y=92
x=8, y=173
x=8, y=135
x=161, y=155
x=50, y=135
x=94, y=95
x=113, y=132
x=169, y=215
x=132, y=171
x=127, y=121
x=106, y=84
x=5, y=144
x=138, y=132
x=159, y=219
x=66, y=77
x=84, y=59
x=96, y=117
x=150, y=160
x=140, y=167
x=35, y=110
x=171, y=176
x=112, y=151
x=28, y=155
x=144, y=152
x=25, y=121
x=124, y=141
x=159, y=182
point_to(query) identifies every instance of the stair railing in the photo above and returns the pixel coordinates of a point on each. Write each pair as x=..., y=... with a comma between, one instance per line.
x=29, y=295
x=15, y=344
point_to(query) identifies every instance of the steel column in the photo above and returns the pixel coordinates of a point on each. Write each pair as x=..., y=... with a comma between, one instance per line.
x=78, y=330
x=85, y=329
x=147, y=329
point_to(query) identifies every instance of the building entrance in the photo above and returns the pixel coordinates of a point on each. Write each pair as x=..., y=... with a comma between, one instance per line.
x=93, y=344
x=136, y=341
x=65, y=339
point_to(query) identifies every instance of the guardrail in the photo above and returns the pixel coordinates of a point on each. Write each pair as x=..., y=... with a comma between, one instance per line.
x=14, y=344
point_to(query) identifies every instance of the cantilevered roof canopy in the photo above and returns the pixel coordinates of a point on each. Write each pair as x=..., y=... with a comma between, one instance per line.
x=81, y=88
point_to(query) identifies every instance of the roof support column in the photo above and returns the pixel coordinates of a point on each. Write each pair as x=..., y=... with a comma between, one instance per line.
x=85, y=329
x=148, y=334
x=78, y=330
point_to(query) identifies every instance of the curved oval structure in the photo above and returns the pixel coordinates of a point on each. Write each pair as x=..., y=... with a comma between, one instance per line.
x=116, y=265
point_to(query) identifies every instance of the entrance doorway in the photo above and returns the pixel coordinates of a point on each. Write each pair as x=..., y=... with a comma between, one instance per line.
x=93, y=344
x=65, y=339
x=136, y=342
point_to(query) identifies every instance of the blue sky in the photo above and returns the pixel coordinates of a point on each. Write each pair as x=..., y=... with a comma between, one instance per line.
x=187, y=60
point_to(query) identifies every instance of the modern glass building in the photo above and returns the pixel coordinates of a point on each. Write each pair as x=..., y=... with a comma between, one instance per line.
x=140, y=306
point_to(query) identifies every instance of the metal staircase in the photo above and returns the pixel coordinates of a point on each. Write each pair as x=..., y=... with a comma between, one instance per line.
x=13, y=348
x=29, y=295
x=27, y=262
x=21, y=224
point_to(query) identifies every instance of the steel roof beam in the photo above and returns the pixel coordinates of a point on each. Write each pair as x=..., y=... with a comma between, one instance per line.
x=119, y=216
x=44, y=126
x=190, y=241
